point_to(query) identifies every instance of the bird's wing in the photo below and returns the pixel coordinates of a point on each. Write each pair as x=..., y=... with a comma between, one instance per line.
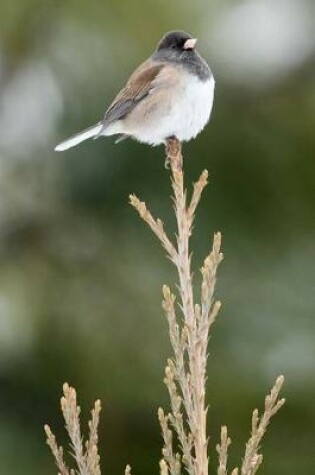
x=136, y=89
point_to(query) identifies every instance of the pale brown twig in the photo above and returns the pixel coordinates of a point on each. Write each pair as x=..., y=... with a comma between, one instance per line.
x=222, y=450
x=253, y=458
x=155, y=224
x=71, y=413
x=87, y=460
x=92, y=456
x=56, y=451
x=185, y=374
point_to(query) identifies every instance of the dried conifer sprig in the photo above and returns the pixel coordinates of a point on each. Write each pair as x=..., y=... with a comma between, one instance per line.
x=222, y=450
x=56, y=451
x=86, y=455
x=185, y=373
x=253, y=458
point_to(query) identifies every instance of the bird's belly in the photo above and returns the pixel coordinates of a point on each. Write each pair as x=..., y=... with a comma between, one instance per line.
x=192, y=112
x=182, y=114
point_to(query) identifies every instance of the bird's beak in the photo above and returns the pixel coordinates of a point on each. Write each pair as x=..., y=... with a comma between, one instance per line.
x=190, y=43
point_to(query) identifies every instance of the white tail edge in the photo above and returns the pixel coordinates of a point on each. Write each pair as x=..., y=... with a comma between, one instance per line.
x=80, y=137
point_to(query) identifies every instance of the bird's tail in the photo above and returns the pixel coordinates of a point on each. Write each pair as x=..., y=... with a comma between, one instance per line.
x=80, y=137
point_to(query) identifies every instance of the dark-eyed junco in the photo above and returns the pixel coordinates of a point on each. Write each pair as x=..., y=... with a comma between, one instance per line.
x=169, y=95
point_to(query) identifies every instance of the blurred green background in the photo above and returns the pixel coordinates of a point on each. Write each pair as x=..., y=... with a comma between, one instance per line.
x=80, y=275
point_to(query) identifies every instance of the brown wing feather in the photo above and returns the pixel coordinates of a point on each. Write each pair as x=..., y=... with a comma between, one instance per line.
x=137, y=87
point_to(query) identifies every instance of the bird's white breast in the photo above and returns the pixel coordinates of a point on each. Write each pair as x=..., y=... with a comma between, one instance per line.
x=182, y=111
x=192, y=111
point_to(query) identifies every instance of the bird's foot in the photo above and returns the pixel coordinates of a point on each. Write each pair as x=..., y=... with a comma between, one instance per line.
x=173, y=150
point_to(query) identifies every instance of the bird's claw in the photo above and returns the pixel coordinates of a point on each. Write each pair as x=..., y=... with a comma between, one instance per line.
x=173, y=152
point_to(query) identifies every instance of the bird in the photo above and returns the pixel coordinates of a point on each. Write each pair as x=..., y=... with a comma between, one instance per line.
x=169, y=96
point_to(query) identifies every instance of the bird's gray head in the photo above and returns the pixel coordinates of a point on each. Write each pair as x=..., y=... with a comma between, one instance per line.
x=176, y=43
x=179, y=47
